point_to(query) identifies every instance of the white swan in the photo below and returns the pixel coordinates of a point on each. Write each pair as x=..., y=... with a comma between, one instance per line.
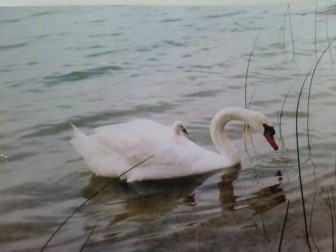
x=114, y=149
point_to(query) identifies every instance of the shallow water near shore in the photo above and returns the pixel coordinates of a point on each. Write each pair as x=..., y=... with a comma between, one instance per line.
x=94, y=66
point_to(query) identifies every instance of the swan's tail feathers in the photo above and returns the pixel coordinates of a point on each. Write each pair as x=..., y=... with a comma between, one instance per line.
x=86, y=146
x=79, y=140
x=102, y=160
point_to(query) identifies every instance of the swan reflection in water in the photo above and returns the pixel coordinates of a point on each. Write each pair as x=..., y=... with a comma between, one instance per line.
x=260, y=201
x=143, y=200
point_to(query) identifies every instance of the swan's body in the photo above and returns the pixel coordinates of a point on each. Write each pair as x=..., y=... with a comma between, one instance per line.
x=114, y=149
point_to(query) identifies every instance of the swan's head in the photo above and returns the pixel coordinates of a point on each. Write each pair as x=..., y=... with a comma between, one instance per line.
x=179, y=127
x=262, y=124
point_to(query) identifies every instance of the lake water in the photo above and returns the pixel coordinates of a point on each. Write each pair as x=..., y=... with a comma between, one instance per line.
x=94, y=66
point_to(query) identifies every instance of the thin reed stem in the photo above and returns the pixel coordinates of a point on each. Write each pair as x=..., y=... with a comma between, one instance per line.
x=87, y=200
x=332, y=210
x=283, y=226
x=311, y=221
x=282, y=141
x=291, y=28
x=299, y=162
x=87, y=239
x=334, y=203
x=297, y=138
x=247, y=70
x=332, y=219
x=283, y=30
x=264, y=231
x=246, y=127
x=312, y=207
x=310, y=85
x=315, y=29
x=135, y=166
x=327, y=30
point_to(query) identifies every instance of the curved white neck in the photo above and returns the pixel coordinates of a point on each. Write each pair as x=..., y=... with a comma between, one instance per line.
x=217, y=132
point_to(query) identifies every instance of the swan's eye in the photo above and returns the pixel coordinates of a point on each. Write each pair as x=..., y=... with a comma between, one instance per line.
x=268, y=129
x=185, y=131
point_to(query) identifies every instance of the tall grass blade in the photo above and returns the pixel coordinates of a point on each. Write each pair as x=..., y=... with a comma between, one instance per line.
x=87, y=200
x=282, y=141
x=247, y=70
x=332, y=218
x=312, y=206
x=299, y=161
x=327, y=30
x=311, y=221
x=284, y=28
x=246, y=127
x=135, y=166
x=283, y=227
x=316, y=29
x=87, y=239
x=309, y=92
x=291, y=28
x=297, y=137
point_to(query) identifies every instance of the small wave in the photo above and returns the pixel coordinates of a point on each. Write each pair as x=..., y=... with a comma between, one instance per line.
x=209, y=93
x=174, y=43
x=13, y=20
x=14, y=46
x=215, y=16
x=5, y=70
x=47, y=129
x=116, y=34
x=52, y=80
x=171, y=20
x=143, y=49
x=43, y=13
x=20, y=156
x=97, y=21
x=93, y=55
x=202, y=67
x=282, y=159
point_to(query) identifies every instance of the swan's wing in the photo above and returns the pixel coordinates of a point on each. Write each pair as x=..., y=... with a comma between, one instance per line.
x=180, y=159
x=174, y=156
x=135, y=140
x=140, y=139
x=139, y=125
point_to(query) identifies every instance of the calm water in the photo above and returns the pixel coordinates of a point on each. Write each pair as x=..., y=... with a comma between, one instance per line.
x=101, y=65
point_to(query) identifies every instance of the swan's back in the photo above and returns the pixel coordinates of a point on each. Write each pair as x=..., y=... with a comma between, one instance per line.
x=134, y=139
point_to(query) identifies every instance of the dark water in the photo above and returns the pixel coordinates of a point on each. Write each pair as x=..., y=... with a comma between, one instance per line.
x=101, y=65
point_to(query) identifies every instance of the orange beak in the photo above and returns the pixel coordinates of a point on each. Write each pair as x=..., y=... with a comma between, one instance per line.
x=269, y=135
